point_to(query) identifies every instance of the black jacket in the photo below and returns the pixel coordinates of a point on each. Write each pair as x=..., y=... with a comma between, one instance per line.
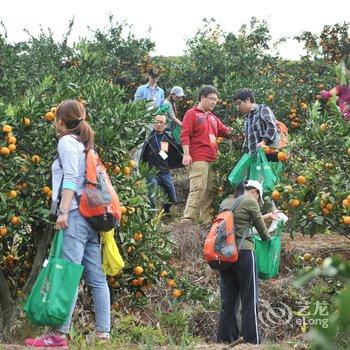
x=150, y=155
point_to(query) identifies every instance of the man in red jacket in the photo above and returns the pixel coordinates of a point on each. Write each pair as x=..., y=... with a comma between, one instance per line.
x=200, y=128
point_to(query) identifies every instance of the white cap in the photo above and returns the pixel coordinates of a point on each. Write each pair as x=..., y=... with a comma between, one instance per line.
x=257, y=185
x=178, y=91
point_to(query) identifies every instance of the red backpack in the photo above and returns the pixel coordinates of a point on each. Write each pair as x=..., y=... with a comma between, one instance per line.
x=220, y=248
x=99, y=202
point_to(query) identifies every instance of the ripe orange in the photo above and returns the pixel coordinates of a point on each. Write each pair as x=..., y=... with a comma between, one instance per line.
x=126, y=171
x=12, y=194
x=138, y=270
x=6, y=128
x=49, y=116
x=282, y=156
x=46, y=189
x=26, y=121
x=294, y=202
x=303, y=106
x=9, y=259
x=301, y=180
x=329, y=206
x=124, y=210
x=12, y=147
x=346, y=203
x=5, y=151
x=176, y=293
x=346, y=219
x=3, y=230
x=134, y=282
x=11, y=139
x=137, y=236
x=275, y=195
x=171, y=283
x=14, y=220
x=35, y=159
x=116, y=170
x=140, y=281
x=132, y=164
x=325, y=211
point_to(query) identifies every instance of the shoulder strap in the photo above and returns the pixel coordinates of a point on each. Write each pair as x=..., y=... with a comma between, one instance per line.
x=236, y=202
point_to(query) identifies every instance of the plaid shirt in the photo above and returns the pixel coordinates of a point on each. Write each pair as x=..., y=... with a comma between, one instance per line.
x=259, y=124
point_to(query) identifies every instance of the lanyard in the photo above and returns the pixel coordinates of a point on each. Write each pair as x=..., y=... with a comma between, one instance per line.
x=157, y=142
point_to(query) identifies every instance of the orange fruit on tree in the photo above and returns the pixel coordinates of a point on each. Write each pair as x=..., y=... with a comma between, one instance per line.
x=124, y=210
x=329, y=206
x=116, y=170
x=46, y=189
x=171, y=283
x=12, y=147
x=12, y=194
x=5, y=151
x=325, y=211
x=346, y=203
x=3, y=230
x=9, y=259
x=132, y=164
x=294, y=202
x=138, y=270
x=49, y=116
x=140, y=281
x=6, y=128
x=301, y=180
x=126, y=171
x=276, y=195
x=35, y=159
x=282, y=156
x=137, y=236
x=303, y=106
x=307, y=257
x=15, y=220
x=11, y=139
x=176, y=293
x=134, y=282
x=346, y=219
x=26, y=121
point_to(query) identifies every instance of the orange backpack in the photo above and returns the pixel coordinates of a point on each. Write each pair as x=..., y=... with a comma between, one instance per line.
x=99, y=202
x=220, y=248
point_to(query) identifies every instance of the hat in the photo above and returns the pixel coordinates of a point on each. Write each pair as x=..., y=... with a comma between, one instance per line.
x=257, y=185
x=178, y=91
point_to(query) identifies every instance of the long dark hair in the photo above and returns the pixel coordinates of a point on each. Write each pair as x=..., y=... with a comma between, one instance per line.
x=73, y=115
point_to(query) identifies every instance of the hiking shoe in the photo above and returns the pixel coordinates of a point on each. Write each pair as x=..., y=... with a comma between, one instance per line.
x=48, y=341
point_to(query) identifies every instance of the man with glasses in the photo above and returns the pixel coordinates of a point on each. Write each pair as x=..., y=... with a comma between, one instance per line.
x=161, y=152
x=200, y=128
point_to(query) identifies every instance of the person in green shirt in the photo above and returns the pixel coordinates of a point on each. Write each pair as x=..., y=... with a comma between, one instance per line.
x=239, y=282
x=176, y=94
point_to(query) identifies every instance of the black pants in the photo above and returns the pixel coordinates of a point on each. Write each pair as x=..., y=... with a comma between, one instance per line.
x=239, y=282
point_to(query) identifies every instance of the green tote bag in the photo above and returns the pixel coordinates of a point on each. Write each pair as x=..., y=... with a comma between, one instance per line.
x=268, y=254
x=239, y=172
x=52, y=295
x=261, y=170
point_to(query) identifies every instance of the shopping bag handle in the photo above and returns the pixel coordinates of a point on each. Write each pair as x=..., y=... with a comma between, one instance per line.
x=57, y=243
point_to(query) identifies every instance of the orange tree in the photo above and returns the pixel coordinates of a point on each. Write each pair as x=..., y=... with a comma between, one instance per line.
x=28, y=146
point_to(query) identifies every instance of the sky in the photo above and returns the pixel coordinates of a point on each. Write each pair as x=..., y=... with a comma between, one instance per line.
x=170, y=23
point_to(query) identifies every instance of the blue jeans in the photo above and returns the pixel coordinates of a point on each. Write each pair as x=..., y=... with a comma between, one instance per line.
x=165, y=181
x=81, y=246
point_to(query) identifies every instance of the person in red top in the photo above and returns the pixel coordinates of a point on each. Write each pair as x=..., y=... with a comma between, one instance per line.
x=200, y=128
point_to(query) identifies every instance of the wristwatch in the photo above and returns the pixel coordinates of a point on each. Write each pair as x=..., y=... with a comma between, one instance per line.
x=62, y=211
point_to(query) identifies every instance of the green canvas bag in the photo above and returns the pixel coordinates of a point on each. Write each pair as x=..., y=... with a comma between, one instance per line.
x=260, y=170
x=52, y=295
x=239, y=172
x=268, y=254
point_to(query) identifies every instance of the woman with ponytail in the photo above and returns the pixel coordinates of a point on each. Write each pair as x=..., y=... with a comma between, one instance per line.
x=80, y=240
